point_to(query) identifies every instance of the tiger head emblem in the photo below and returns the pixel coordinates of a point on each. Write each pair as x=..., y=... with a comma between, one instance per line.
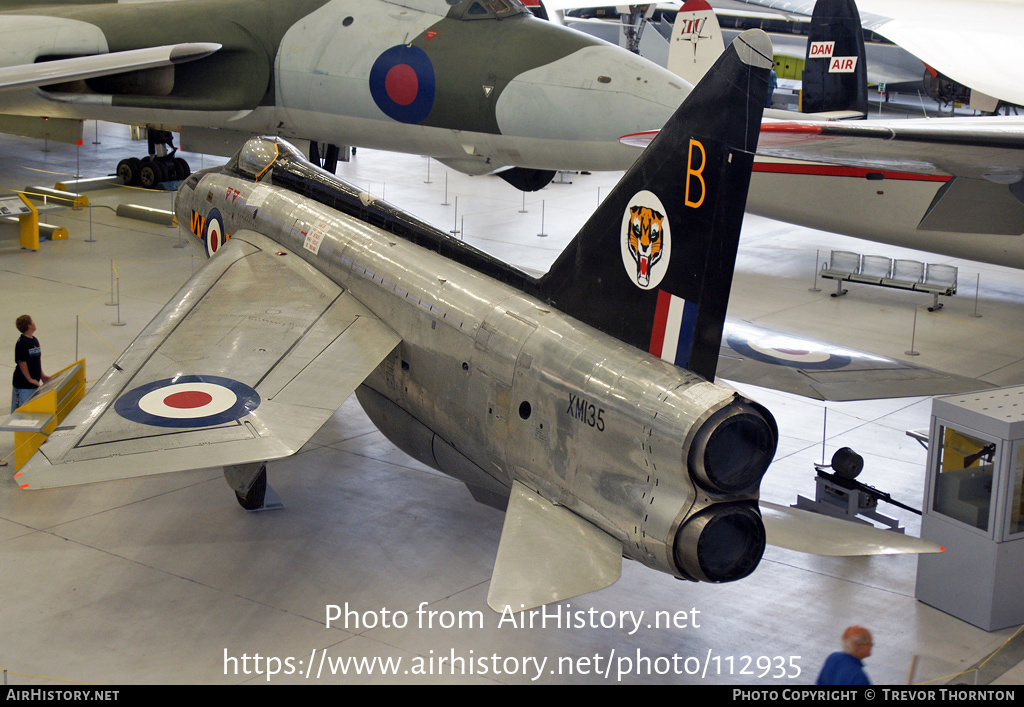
x=645, y=241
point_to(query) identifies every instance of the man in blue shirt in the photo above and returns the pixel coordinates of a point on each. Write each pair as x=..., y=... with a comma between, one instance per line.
x=845, y=667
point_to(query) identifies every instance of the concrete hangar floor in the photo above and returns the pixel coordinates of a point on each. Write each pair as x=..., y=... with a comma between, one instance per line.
x=167, y=580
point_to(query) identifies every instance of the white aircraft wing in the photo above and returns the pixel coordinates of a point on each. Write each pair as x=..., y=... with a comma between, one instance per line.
x=804, y=531
x=977, y=43
x=46, y=73
x=760, y=356
x=989, y=147
x=243, y=366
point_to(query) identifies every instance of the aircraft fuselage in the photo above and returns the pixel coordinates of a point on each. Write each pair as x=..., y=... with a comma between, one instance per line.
x=482, y=93
x=492, y=385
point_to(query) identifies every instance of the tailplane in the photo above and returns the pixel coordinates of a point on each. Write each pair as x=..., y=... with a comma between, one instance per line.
x=835, y=69
x=653, y=266
x=696, y=41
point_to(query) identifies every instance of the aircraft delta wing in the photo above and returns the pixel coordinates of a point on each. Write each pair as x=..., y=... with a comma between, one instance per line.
x=231, y=372
x=538, y=393
x=88, y=67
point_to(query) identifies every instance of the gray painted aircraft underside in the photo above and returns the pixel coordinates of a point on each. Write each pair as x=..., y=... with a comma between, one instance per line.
x=482, y=90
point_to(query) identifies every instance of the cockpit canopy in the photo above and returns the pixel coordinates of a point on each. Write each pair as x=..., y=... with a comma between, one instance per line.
x=486, y=9
x=259, y=154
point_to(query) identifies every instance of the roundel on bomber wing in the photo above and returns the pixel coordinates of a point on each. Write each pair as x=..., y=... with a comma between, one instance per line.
x=402, y=83
x=792, y=353
x=188, y=401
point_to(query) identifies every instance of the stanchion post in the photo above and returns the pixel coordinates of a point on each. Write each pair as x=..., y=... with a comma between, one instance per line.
x=112, y=301
x=913, y=335
x=118, y=322
x=977, y=288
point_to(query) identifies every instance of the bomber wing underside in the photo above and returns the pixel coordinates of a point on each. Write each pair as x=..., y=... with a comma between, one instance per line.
x=47, y=73
x=255, y=353
x=759, y=356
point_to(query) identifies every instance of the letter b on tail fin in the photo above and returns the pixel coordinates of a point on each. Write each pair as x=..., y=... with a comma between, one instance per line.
x=675, y=219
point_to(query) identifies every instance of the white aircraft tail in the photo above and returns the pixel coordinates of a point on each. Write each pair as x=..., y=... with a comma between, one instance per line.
x=696, y=41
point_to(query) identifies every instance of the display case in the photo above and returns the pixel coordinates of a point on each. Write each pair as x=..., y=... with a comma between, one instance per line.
x=974, y=507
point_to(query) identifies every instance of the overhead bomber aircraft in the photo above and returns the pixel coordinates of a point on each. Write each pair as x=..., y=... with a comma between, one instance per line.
x=540, y=394
x=481, y=85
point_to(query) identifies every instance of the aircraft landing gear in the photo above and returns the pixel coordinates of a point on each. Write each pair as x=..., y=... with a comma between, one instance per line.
x=159, y=166
x=249, y=482
x=326, y=156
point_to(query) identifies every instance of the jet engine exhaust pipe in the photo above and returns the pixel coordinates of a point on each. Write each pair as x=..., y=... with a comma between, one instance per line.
x=728, y=455
x=732, y=449
x=721, y=543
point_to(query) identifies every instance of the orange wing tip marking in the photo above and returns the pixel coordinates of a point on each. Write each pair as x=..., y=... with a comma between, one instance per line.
x=941, y=548
x=24, y=486
x=18, y=474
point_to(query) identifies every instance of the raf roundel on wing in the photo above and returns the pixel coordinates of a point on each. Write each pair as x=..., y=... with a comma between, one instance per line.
x=402, y=83
x=188, y=401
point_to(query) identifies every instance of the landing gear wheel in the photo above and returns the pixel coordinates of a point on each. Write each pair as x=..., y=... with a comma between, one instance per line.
x=181, y=169
x=253, y=499
x=128, y=170
x=152, y=173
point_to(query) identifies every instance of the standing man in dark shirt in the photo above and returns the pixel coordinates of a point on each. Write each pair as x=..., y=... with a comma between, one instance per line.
x=28, y=363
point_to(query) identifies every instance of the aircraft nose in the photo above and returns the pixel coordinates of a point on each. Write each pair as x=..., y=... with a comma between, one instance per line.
x=598, y=93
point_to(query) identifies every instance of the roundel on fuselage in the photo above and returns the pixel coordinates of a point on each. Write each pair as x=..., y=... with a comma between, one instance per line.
x=213, y=234
x=402, y=83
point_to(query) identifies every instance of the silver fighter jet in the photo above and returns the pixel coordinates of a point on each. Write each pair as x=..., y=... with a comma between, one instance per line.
x=540, y=394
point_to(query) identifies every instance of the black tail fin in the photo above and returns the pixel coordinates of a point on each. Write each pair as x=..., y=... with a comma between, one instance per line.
x=653, y=266
x=835, y=71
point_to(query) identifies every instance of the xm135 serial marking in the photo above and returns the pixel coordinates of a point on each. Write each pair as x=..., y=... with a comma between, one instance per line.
x=586, y=412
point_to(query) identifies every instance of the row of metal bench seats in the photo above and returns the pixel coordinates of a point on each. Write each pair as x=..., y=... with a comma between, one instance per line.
x=933, y=278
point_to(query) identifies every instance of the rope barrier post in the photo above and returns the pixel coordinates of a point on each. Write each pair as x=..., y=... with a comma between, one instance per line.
x=913, y=334
x=118, y=322
x=542, y=234
x=112, y=302
x=977, y=287
x=455, y=226
x=428, y=171
x=90, y=239
x=445, y=202
x=815, y=288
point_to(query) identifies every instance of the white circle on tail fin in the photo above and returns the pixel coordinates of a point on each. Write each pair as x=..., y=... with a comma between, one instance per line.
x=646, y=240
